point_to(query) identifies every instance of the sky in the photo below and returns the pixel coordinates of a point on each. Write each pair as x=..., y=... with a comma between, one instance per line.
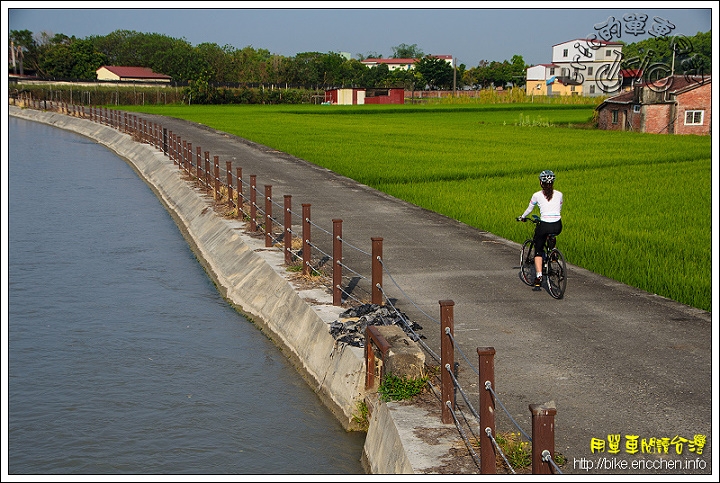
x=461, y=29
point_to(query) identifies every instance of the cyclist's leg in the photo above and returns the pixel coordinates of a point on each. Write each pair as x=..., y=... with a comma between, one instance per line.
x=539, y=242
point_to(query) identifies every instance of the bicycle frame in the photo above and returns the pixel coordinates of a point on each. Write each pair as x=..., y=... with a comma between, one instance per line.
x=553, y=265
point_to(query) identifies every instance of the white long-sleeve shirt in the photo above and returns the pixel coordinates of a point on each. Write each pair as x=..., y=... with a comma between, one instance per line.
x=549, y=210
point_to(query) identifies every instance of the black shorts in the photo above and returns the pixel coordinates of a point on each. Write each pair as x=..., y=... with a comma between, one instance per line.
x=542, y=230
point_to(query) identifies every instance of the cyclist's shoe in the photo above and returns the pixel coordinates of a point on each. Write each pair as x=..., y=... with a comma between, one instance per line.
x=538, y=281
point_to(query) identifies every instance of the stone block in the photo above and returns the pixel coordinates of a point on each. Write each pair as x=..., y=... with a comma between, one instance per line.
x=405, y=357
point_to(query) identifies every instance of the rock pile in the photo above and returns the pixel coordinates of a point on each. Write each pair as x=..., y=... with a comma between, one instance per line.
x=350, y=329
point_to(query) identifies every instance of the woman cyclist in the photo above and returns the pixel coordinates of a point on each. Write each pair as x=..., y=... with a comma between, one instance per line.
x=550, y=202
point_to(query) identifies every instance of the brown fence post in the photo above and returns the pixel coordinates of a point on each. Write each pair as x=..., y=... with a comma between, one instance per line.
x=179, y=151
x=287, y=236
x=543, y=437
x=228, y=169
x=177, y=148
x=377, y=270
x=207, y=170
x=189, y=158
x=198, y=158
x=253, y=199
x=240, y=198
x=447, y=358
x=268, y=215
x=486, y=412
x=216, y=175
x=183, y=155
x=171, y=146
x=306, y=238
x=337, y=262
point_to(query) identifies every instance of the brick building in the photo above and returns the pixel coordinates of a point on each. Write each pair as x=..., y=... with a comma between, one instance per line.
x=675, y=105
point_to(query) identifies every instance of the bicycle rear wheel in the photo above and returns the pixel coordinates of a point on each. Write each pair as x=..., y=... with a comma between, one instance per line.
x=527, y=263
x=556, y=274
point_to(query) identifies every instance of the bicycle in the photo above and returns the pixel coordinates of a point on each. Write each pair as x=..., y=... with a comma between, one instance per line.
x=553, y=268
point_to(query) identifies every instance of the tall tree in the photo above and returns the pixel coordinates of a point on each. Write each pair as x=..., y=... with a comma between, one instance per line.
x=352, y=71
x=369, y=55
x=436, y=73
x=678, y=53
x=518, y=70
x=71, y=58
x=252, y=65
x=405, y=51
x=218, y=61
x=22, y=45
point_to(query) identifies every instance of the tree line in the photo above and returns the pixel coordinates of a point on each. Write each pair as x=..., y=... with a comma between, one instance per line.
x=62, y=57
x=207, y=67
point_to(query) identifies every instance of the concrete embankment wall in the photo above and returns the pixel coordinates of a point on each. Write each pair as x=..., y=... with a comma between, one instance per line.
x=253, y=279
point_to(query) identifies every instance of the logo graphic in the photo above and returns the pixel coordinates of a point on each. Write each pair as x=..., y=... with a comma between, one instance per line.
x=642, y=69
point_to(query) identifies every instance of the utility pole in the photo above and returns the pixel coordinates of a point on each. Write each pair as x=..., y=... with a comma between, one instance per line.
x=12, y=52
x=454, y=78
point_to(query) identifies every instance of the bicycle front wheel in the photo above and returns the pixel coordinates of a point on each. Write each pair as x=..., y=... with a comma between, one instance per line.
x=556, y=274
x=527, y=263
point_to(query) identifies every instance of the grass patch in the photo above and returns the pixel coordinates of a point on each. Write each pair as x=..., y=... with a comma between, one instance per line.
x=361, y=416
x=517, y=451
x=400, y=388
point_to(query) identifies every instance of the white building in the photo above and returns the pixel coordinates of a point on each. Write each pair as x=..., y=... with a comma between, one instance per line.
x=579, y=67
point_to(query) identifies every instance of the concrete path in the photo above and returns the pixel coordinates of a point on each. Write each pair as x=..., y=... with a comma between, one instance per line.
x=613, y=359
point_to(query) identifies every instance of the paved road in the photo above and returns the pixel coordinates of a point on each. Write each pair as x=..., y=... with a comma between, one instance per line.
x=612, y=358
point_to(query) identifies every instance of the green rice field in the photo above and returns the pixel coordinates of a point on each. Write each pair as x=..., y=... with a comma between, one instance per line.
x=637, y=206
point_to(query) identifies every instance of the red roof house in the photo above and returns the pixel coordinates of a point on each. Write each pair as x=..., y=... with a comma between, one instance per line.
x=122, y=73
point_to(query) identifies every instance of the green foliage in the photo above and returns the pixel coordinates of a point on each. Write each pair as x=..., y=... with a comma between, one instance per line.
x=26, y=51
x=626, y=192
x=360, y=417
x=400, y=388
x=161, y=53
x=692, y=54
x=229, y=65
x=497, y=74
x=436, y=73
x=405, y=51
x=517, y=451
x=71, y=59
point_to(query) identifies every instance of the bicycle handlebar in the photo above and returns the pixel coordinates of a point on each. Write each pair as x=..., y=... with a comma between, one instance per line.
x=535, y=219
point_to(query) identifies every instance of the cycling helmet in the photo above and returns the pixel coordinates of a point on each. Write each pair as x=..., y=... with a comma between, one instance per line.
x=547, y=176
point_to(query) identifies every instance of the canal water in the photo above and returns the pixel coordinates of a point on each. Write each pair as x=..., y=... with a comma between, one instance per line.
x=122, y=356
